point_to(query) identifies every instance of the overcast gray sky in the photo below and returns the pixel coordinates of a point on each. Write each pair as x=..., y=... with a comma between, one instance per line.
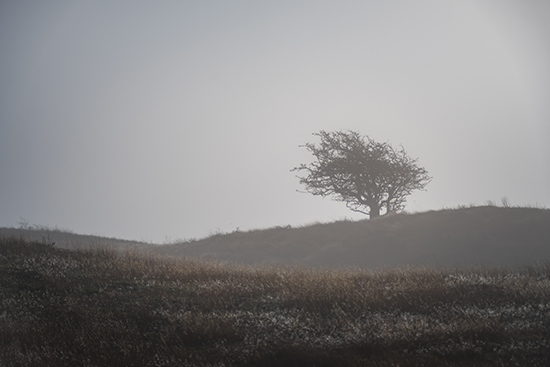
x=159, y=120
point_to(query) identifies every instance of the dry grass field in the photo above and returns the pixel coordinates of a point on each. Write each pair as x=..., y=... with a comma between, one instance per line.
x=101, y=307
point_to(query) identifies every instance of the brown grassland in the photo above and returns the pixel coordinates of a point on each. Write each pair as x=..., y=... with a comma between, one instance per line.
x=101, y=307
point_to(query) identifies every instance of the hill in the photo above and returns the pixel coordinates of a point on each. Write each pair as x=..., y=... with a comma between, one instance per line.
x=69, y=240
x=488, y=235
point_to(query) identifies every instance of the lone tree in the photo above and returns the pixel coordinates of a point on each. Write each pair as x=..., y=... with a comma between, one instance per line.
x=368, y=176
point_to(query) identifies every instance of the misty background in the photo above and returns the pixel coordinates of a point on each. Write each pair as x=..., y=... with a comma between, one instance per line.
x=157, y=121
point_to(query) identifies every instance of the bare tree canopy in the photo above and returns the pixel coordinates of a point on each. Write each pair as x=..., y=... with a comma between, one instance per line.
x=370, y=177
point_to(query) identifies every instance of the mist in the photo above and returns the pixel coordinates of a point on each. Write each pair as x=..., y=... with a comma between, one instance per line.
x=165, y=121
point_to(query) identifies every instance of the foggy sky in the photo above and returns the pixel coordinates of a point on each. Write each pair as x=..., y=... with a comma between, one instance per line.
x=163, y=120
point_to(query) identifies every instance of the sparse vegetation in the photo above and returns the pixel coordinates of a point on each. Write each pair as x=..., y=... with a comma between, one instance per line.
x=102, y=307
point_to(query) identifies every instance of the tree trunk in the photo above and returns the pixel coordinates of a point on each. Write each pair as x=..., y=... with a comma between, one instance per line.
x=374, y=211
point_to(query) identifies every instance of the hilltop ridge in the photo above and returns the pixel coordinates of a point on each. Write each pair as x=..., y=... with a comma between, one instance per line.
x=487, y=235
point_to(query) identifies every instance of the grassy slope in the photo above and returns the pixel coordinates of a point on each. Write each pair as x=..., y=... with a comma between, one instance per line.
x=104, y=308
x=69, y=240
x=463, y=237
x=471, y=236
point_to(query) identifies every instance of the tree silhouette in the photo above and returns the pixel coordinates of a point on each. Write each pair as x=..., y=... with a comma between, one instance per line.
x=370, y=177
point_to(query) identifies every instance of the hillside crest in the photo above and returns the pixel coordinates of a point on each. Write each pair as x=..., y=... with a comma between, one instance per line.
x=464, y=237
x=487, y=235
